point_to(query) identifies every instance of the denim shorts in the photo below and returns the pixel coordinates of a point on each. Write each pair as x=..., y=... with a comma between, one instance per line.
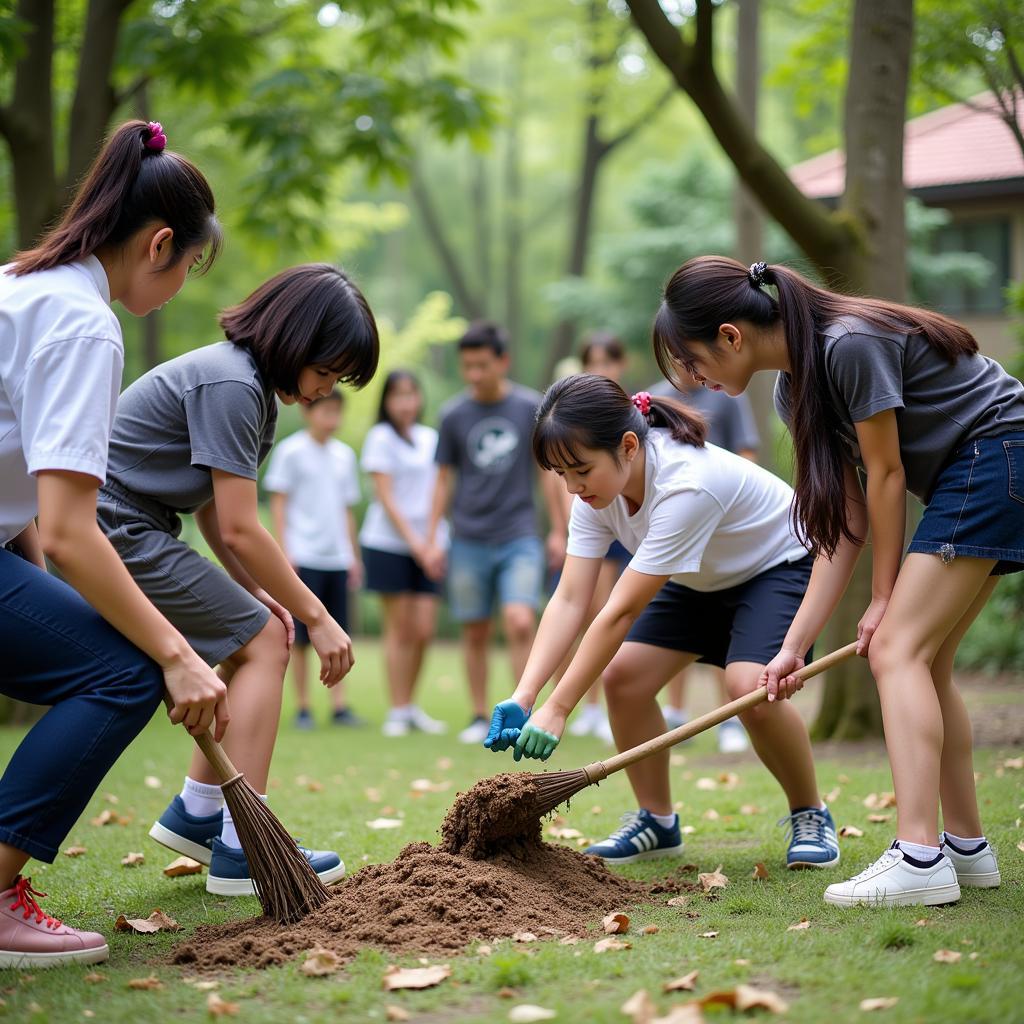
x=976, y=509
x=388, y=572
x=512, y=571
x=747, y=622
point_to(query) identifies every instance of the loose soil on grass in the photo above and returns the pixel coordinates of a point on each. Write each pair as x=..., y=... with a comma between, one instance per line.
x=491, y=877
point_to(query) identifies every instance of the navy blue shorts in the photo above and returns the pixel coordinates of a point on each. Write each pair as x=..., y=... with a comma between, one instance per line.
x=747, y=622
x=977, y=507
x=331, y=586
x=391, y=573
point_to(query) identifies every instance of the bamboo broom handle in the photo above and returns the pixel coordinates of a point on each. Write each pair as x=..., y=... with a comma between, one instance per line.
x=212, y=751
x=698, y=725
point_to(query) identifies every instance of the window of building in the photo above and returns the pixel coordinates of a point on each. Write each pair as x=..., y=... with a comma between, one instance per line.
x=989, y=238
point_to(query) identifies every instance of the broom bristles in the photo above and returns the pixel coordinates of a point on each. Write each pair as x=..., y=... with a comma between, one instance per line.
x=554, y=788
x=286, y=884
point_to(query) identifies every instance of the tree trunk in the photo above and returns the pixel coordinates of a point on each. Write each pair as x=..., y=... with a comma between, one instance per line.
x=747, y=212
x=514, y=212
x=482, y=222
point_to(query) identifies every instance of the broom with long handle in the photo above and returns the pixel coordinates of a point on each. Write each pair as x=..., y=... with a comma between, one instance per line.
x=554, y=788
x=287, y=886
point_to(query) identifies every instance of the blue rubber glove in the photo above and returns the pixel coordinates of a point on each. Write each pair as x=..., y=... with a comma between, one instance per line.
x=535, y=742
x=507, y=719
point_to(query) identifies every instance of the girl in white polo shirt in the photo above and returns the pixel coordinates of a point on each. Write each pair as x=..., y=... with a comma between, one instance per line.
x=95, y=652
x=716, y=577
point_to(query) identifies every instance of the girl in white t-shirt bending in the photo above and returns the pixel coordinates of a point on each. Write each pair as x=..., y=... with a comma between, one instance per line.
x=398, y=453
x=716, y=577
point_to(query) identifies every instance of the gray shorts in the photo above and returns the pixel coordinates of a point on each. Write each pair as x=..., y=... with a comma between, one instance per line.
x=211, y=611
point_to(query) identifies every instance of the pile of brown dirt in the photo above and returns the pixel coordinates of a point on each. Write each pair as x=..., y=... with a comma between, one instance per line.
x=490, y=878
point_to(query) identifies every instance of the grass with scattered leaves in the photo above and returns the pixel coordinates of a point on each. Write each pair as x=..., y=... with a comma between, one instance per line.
x=329, y=783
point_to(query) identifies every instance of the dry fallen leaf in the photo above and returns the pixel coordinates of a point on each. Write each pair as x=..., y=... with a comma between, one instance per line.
x=484, y=950
x=615, y=924
x=884, y=1003
x=94, y=978
x=687, y=983
x=878, y=801
x=415, y=977
x=1020, y=846
x=711, y=814
x=158, y=921
x=568, y=940
x=152, y=982
x=205, y=986
x=393, y=1012
x=706, y=783
x=527, y=1013
x=524, y=937
x=850, y=832
x=217, y=1007
x=74, y=851
x=603, y=945
x=802, y=925
x=742, y=962
x=713, y=879
x=385, y=823
x=708, y=935
x=878, y=819
x=109, y=817
x=1016, y=763
x=556, y=832
x=760, y=872
x=650, y=929
x=746, y=997
x=749, y=809
x=320, y=961
x=133, y=860
x=151, y=782
x=832, y=795
x=687, y=1013
x=678, y=901
x=947, y=956
x=639, y=1007
x=183, y=866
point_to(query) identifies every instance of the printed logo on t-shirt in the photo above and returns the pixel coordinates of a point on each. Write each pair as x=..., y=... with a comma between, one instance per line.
x=492, y=444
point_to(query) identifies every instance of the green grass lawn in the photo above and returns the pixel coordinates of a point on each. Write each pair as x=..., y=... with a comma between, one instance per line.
x=823, y=971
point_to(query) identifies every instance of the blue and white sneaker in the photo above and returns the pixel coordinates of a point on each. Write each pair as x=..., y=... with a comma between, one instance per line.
x=812, y=838
x=229, y=870
x=639, y=838
x=186, y=833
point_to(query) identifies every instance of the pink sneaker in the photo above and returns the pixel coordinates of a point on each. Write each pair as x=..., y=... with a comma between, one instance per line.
x=31, y=938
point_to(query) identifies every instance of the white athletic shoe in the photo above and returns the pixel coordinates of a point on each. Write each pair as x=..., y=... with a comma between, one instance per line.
x=894, y=882
x=476, y=731
x=588, y=721
x=604, y=731
x=732, y=737
x=674, y=717
x=396, y=725
x=419, y=719
x=977, y=869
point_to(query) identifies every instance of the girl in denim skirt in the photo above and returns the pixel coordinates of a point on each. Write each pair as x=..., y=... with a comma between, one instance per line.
x=903, y=395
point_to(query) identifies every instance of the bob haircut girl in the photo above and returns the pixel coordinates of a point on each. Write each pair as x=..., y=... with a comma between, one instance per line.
x=903, y=394
x=189, y=438
x=716, y=577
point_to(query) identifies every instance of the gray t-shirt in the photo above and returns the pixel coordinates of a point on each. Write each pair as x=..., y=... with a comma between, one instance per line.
x=489, y=447
x=731, y=421
x=208, y=409
x=937, y=405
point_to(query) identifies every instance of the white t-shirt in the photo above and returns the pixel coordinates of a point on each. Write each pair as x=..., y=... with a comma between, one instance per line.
x=61, y=358
x=413, y=473
x=321, y=481
x=710, y=519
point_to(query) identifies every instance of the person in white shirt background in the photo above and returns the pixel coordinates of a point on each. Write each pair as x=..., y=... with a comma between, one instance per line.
x=313, y=481
x=398, y=456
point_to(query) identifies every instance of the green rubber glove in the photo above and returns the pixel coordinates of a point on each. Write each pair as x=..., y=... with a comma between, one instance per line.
x=535, y=742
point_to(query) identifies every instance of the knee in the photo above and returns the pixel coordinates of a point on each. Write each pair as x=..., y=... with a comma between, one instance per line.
x=519, y=622
x=139, y=688
x=886, y=652
x=477, y=634
x=616, y=680
x=269, y=646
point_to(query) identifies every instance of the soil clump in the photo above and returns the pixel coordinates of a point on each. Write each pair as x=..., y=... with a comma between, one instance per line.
x=491, y=877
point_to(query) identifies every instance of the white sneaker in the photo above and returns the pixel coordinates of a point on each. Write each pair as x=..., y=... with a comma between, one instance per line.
x=419, y=719
x=893, y=882
x=588, y=721
x=978, y=869
x=604, y=731
x=732, y=737
x=674, y=717
x=396, y=725
x=476, y=731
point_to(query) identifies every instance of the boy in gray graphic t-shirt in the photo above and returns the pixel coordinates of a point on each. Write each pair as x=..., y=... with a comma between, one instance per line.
x=496, y=552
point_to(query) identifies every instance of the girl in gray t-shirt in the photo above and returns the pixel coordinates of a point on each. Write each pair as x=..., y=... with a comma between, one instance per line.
x=188, y=438
x=903, y=395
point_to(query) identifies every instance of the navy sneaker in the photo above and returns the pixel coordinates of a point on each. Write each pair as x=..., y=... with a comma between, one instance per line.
x=304, y=719
x=187, y=833
x=346, y=716
x=639, y=838
x=812, y=838
x=229, y=870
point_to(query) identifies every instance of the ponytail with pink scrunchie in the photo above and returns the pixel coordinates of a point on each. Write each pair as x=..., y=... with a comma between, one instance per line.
x=642, y=400
x=155, y=138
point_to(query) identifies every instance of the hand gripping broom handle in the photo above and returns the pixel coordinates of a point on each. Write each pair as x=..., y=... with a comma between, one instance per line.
x=602, y=769
x=213, y=752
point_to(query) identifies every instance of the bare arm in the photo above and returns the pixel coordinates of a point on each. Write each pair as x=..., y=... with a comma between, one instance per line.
x=206, y=520
x=441, y=501
x=71, y=538
x=278, y=508
x=560, y=624
x=383, y=487
x=558, y=502
x=355, y=573
x=28, y=546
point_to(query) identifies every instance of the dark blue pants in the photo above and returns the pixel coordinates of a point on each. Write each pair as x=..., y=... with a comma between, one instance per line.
x=56, y=650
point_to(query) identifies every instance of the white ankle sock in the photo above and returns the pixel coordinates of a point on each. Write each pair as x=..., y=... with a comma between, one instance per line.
x=664, y=820
x=201, y=799
x=401, y=714
x=228, y=833
x=918, y=851
x=964, y=843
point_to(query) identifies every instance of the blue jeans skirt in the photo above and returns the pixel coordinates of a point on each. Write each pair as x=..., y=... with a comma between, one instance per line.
x=976, y=509
x=100, y=689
